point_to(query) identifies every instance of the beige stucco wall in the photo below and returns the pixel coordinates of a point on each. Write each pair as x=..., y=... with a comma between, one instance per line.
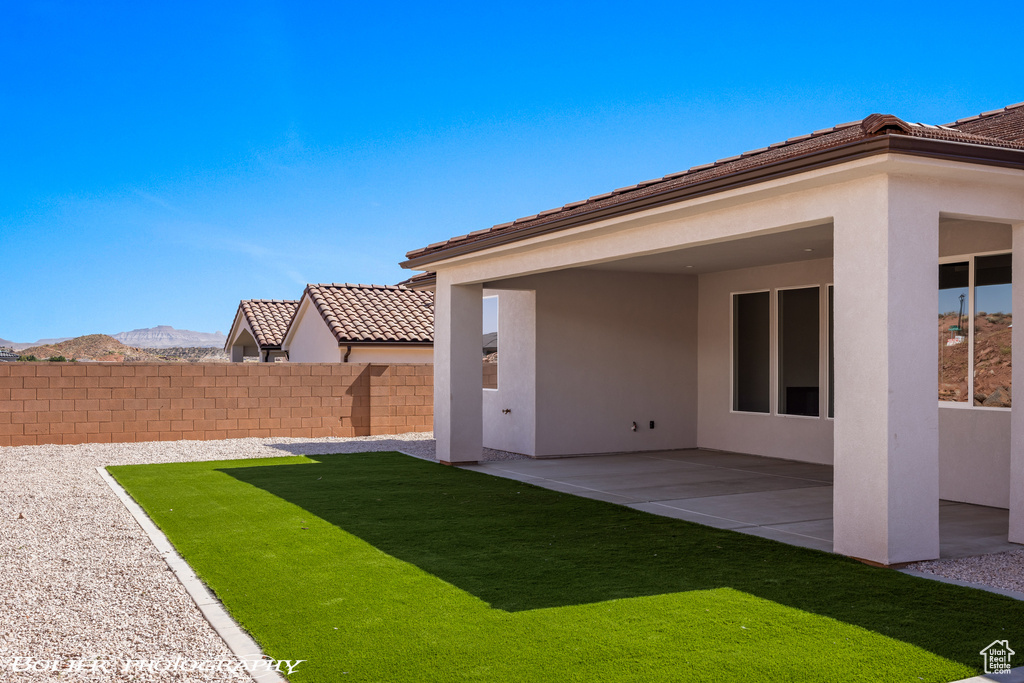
x=780, y=436
x=243, y=341
x=612, y=348
x=974, y=455
x=310, y=340
x=389, y=354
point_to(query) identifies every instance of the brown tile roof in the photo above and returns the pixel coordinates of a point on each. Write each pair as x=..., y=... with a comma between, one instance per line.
x=1005, y=124
x=419, y=281
x=1001, y=128
x=375, y=313
x=269, y=319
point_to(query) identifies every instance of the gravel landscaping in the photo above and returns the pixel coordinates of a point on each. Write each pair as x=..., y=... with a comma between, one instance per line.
x=998, y=570
x=79, y=580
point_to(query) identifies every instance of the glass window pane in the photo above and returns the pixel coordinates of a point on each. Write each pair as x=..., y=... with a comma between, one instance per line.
x=490, y=342
x=799, y=345
x=751, y=348
x=831, y=354
x=993, y=319
x=954, y=279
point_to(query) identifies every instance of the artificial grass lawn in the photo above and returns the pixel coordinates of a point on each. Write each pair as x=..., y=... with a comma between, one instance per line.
x=382, y=567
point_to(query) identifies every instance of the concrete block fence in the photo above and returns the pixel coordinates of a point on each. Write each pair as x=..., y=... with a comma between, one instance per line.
x=66, y=403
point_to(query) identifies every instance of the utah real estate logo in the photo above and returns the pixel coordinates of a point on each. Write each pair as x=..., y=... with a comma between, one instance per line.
x=997, y=657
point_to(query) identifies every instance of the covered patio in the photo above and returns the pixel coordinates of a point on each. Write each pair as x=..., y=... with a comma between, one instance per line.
x=793, y=303
x=783, y=500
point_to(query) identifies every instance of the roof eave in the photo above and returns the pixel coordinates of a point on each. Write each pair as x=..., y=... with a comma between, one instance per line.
x=902, y=144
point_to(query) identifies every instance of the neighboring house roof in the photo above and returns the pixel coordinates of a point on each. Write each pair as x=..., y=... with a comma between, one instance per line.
x=375, y=313
x=995, y=137
x=268, y=319
x=8, y=356
x=420, y=281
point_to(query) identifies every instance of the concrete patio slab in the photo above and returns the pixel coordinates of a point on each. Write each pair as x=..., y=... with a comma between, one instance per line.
x=599, y=464
x=766, y=507
x=784, y=500
x=668, y=510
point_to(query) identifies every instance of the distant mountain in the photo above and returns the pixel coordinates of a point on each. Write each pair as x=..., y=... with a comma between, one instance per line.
x=165, y=336
x=18, y=346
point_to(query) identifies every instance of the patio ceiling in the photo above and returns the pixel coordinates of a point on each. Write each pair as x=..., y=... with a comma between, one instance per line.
x=803, y=244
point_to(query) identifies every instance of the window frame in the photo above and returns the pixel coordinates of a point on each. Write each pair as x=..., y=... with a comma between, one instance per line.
x=960, y=258
x=776, y=328
x=773, y=358
x=829, y=338
x=497, y=325
x=771, y=351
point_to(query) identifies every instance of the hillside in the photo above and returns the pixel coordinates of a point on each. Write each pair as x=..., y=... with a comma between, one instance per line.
x=98, y=347
x=191, y=354
x=165, y=336
x=993, y=368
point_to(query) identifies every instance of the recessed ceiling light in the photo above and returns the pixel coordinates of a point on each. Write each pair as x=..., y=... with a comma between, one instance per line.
x=808, y=250
x=689, y=266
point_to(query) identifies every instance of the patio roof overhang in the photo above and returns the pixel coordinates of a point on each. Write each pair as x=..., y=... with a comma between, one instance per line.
x=886, y=145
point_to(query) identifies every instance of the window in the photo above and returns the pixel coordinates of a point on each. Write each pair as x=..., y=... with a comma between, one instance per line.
x=490, y=342
x=992, y=330
x=799, y=351
x=954, y=357
x=831, y=354
x=975, y=331
x=751, y=349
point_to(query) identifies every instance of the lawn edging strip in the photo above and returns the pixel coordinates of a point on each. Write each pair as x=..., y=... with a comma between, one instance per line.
x=236, y=639
x=1016, y=595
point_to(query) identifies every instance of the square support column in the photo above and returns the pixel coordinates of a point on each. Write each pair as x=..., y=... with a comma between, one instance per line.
x=886, y=493
x=1017, y=412
x=458, y=372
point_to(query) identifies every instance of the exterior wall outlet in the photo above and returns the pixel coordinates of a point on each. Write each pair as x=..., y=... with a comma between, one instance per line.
x=652, y=424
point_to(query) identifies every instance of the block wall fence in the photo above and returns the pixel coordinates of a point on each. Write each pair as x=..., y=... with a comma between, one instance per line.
x=68, y=403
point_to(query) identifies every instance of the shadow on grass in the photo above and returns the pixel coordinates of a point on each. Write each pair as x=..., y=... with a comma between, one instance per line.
x=520, y=547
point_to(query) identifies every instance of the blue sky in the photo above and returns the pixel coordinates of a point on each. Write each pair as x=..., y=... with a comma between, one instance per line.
x=162, y=161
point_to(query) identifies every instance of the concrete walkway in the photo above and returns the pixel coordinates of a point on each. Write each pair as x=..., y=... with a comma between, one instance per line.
x=780, y=499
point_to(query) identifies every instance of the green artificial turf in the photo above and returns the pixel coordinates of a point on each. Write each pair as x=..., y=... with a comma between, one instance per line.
x=381, y=567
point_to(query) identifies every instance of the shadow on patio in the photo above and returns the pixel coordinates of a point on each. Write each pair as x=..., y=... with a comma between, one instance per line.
x=783, y=500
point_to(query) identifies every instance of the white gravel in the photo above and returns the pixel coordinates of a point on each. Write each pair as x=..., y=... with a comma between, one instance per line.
x=998, y=570
x=79, y=580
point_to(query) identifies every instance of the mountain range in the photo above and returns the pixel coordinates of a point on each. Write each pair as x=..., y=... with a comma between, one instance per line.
x=159, y=337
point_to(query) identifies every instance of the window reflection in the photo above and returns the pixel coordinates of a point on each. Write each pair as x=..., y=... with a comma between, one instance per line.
x=954, y=315
x=993, y=321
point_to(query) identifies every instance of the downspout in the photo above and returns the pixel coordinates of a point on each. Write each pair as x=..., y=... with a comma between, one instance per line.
x=348, y=351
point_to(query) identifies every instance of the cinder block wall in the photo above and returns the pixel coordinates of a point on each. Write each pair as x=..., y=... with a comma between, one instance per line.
x=64, y=403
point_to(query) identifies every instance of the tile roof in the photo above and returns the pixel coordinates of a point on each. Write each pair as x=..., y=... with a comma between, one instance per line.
x=269, y=319
x=420, y=280
x=375, y=313
x=1000, y=128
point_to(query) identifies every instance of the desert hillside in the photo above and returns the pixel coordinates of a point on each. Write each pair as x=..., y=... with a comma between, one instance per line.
x=992, y=363
x=101, y=347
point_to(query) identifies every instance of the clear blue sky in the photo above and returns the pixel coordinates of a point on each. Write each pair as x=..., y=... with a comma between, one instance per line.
x=161, y=161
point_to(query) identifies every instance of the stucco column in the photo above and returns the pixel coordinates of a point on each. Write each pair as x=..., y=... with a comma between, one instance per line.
x=886, y=500
x=1017, y=413
x=458, y=371
x=237, y=353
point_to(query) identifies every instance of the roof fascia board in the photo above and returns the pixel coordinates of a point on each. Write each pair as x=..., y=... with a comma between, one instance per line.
x=901, y=144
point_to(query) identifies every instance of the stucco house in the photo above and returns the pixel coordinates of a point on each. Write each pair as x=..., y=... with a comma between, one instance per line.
x=258, y=329
x=782, y=302
x=346, y=323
